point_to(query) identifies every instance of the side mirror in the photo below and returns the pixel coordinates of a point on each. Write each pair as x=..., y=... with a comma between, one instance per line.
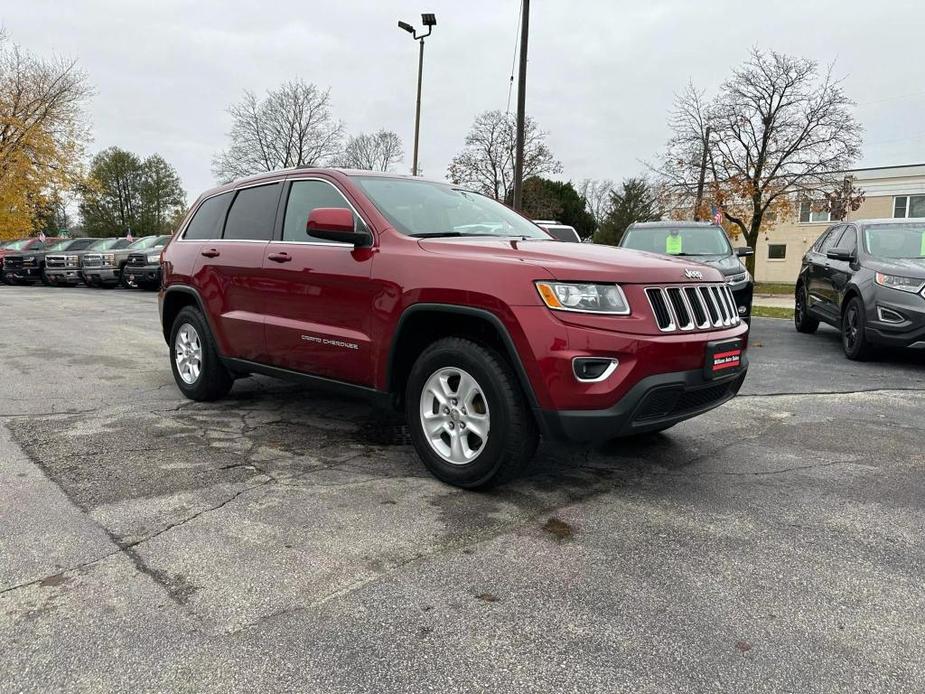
x=839, y=254
x=744, y=251
x=335, y=224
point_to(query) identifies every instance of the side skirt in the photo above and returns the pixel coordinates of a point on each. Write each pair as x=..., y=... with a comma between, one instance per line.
x=376, y=397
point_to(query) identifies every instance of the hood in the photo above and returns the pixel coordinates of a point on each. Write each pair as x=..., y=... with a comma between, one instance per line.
x=574, y=261
x=727, y=264
x=904, y=267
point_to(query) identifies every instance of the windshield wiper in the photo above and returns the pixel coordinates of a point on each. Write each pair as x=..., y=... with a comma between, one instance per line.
x=444, y=234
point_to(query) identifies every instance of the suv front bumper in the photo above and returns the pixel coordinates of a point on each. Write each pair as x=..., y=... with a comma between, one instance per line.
x=23, y=274
x=654, y=403
x=909, y=332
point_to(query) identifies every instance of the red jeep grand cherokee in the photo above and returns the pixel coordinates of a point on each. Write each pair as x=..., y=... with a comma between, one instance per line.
x=440, y=301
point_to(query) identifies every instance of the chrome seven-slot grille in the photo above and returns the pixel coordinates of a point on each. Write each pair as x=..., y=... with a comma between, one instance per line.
x=693, y=307
x=92, y=260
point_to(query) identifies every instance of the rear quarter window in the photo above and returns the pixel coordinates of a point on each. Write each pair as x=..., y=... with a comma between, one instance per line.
x=209, y=217
x=253, y=214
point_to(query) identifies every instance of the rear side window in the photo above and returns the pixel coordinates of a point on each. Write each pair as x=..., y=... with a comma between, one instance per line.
x=305, y=196
x=207, y=222
x=253, y=214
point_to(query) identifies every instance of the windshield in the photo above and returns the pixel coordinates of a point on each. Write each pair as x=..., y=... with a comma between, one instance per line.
x=425, y=208
x=161, y=241
x=16, y=245
x=102, y=245
x=145, y=242
x=60, y=246
x=895, y=240
x=679, y=240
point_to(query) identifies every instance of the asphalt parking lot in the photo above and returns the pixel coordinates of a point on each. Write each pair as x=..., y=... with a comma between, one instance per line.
x=267, y=543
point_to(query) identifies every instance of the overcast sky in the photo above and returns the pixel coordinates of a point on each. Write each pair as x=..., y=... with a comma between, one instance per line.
x=601, y=75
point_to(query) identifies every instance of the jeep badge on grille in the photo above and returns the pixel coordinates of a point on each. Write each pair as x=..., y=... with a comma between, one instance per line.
x=693, y=274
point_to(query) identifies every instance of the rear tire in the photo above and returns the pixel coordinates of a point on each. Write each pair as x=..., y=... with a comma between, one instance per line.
x=478, y=392
x=853, y=331
x=804, y=322
x=194, y=360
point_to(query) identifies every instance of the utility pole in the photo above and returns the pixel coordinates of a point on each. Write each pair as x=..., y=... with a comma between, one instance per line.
x=703, y=175
x=521, y=107
x=429, y=21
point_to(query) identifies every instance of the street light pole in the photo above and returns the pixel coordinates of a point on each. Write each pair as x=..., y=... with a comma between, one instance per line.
x=521, y=107
x=430, y=21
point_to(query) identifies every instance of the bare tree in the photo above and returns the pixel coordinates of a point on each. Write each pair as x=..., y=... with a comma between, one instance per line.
x=846, y=198
x=487, y=161
x=597, y=194
x=293, y=126
x=778, y=126
x=376, y=151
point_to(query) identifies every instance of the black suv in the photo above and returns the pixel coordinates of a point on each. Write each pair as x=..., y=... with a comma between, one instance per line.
x=866, y=278
x=704, y=242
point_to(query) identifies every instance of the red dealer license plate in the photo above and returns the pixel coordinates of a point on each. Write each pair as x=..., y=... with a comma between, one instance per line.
x=723, y=358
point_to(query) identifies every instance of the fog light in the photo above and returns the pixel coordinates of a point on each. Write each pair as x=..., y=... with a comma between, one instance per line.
x=593, y=369
x=742, y=310
x=888, y=315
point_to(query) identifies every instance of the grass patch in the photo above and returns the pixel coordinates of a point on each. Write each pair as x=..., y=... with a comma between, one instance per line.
x=774, y=288
x=772, y=312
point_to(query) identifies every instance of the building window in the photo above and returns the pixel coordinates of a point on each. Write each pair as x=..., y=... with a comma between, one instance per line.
x=808, y=214
x=909, y=206
x=777, y=251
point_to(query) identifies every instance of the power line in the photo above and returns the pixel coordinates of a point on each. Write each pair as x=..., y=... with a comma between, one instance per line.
x=510, y=87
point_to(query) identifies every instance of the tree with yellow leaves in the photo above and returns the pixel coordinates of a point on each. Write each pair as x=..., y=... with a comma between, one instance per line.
x=42, y=134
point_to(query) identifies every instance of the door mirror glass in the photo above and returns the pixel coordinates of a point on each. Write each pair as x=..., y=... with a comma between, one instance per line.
x=743, y=251
x=335, y=224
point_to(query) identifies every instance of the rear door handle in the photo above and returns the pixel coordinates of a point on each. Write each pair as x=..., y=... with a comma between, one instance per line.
x=279, y=257
x=211, y=253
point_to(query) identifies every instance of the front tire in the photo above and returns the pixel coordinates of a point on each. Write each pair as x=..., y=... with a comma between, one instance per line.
x=804, y=322
x=853, y=331
x=194, y=360
x=467, y=415
x=45, y=280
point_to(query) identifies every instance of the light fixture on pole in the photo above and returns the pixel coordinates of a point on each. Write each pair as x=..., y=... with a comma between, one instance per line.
x=429, y=20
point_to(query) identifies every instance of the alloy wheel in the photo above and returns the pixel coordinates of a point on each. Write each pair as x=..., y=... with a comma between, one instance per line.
x=454, y=415
x=188, y=353
x=851, y=327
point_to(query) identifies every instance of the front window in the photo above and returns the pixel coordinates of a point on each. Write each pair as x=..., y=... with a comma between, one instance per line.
x=811, y=211
x=424, y=208
x=895, y=240
x=17, y=245
x=909, y=206
x=679, y=240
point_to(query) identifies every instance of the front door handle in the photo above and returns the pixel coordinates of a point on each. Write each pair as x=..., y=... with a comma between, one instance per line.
x=211, y=253
x=280, y=257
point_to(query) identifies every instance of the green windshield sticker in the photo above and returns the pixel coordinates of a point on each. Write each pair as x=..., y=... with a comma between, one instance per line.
x=673, y=244
x=922, y=249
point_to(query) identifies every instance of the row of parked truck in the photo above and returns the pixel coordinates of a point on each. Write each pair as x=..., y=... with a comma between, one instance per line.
x=95, y=262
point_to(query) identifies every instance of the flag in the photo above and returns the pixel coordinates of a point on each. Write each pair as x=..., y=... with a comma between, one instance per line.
x=42, y=236
x=128, y=236
x=717, y=215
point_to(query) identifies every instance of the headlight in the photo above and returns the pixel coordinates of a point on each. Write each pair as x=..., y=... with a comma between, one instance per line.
x=903, y=284
x=738, y=279
x=108, y=258
x=585, y=298
x=154, y=258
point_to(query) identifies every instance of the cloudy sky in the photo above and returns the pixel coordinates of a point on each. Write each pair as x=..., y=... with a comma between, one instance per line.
x=601, y=76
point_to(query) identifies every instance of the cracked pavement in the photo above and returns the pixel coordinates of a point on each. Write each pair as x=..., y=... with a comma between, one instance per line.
x=268, y=542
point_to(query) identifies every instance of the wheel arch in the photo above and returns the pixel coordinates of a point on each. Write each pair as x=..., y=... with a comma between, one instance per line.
x=420, y=325
x=175, y=299
x=851, y=292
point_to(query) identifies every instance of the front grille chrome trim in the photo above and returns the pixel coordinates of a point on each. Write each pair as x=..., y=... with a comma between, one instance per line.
x=714, y=301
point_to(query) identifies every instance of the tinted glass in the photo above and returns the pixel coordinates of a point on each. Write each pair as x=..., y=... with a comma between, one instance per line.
x=426, y=208
x=679, y=240
x=207, y=222
x=830, y=240
x=305, y=196
x=895, y=240
x=253, y=213
x=102, y=245
x=80, y=244
x=60, y=246
x=849, y=240
x=145, y=242
x=17, y=245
